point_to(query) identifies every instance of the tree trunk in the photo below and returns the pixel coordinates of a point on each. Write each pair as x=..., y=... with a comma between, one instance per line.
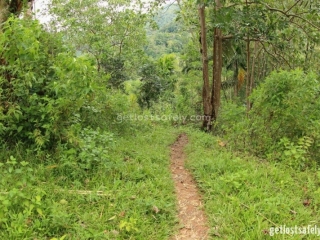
x=207, y=107
x=253, y=64
x=249, y=80
x=217, y=69
x=248, y=76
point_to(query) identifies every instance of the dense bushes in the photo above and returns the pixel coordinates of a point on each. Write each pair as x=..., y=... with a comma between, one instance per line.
x=47, y=94
x=43, y=86
x=284, y=120
x=58, y=120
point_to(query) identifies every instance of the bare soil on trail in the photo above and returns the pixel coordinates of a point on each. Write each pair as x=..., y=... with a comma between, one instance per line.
x=192, y=219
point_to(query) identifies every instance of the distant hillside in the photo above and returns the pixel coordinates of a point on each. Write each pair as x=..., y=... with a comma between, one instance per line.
x=167, y=16
x=169, y=37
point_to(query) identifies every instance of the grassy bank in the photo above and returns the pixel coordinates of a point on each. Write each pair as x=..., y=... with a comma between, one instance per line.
x=130, y=197
x=245, y=197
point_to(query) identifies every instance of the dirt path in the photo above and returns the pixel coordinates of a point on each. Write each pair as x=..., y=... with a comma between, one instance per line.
x=193, y=222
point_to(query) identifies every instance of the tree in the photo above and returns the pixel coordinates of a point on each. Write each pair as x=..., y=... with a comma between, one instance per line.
x=211, y=98
x=217, y=67
x=261, y=32
x=207, y=101
x=151, y=87
x=268, y=33
x=112, y=32
x=157, y=80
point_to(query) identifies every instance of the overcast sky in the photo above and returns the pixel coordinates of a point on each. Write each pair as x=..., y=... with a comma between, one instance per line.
x=40, y=6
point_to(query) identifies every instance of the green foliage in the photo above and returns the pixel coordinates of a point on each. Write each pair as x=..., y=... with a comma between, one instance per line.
x=278, y=37
x=188, y=89
x=115, y=67
x=72, y=169
x=296, y=155
x=169, y=36
x=43, y=87
x=283, y=122
x=271, y=22
x=167, y=65
x=168, y=68
x=188, y=95
x=285, y=106
x=151, y=87
x=92, y=153
x=166, y=16
x=160, y=43
x=18, y=206
x=112, y=33
x=232, y=124
x=158, y=80
x=107, y=201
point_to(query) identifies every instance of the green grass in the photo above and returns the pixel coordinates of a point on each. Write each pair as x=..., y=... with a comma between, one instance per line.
x=245, y=197
x=138, y=200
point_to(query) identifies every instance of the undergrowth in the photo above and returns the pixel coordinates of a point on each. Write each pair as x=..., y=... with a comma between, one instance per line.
x=130, y=196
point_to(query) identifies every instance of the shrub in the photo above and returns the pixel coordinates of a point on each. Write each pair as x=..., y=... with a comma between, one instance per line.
x=283, y=123
x=43, y=86
x=286, y=106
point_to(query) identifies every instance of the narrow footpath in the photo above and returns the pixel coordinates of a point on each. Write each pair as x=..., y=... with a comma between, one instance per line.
x=192, y=219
